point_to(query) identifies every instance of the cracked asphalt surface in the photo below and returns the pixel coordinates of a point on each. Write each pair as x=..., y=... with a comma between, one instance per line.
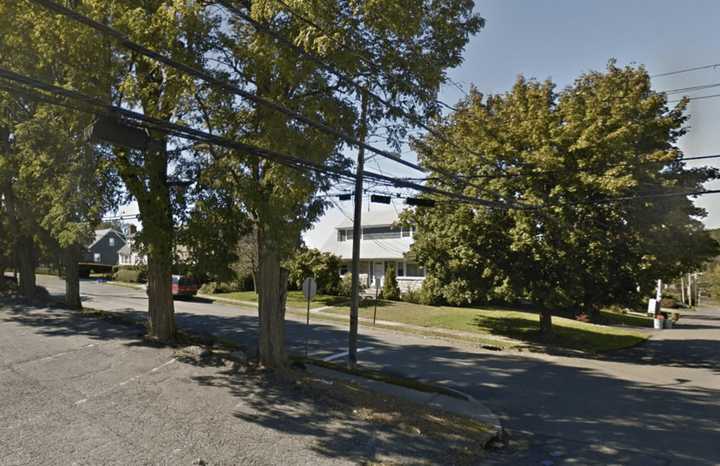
x=83, y=391
x=658, y=403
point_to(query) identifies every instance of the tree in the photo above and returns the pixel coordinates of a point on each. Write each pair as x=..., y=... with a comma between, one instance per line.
x=401, y=51
x=57, y=185
x=125, y=78
x=391, y=290
x=564, y=155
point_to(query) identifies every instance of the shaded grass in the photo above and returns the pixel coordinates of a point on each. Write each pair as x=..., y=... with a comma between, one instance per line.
x=518, y=324
x=607, y=317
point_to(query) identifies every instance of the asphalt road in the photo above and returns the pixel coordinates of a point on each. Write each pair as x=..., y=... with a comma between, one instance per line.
x=79, y=391
x=658, y=403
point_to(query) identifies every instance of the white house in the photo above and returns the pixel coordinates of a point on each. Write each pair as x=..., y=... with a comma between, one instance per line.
x=128, y=255
x=382, y=243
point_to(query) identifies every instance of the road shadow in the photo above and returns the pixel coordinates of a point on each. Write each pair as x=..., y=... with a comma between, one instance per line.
x=599, y=419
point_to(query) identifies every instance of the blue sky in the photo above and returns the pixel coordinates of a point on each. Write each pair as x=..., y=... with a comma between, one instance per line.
x=560, y=39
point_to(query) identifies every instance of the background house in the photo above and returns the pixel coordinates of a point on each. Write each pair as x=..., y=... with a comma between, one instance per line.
x=382, y=243
x=104, y=249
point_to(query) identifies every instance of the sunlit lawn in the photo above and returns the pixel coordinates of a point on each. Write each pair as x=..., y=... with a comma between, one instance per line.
x=518, y=324
x=295, y=299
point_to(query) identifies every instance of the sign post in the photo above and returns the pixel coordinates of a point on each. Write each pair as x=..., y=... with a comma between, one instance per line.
x=309, y=291
x=377, y=289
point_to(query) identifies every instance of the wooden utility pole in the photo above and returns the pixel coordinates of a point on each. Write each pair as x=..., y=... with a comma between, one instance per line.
x=357, y=231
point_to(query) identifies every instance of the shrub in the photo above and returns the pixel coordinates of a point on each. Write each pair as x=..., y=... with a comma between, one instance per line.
x=413, y=295
x=324, y=266
x=131, y=274
x=345, y=287
x=391, y=290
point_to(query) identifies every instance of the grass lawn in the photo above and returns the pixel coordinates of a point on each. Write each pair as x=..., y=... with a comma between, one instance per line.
x=295, y=299
x=517, y=324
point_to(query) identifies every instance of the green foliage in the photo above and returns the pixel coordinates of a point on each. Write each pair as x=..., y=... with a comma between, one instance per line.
x=712, y=278
x=324, y=266
x=390, y=290
x=561, y=153
x=345, y=287
x=131, y=274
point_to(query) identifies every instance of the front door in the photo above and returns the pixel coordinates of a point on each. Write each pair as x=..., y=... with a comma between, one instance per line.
x=378, y=271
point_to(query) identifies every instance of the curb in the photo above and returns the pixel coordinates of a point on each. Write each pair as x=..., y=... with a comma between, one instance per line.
x=468, y=407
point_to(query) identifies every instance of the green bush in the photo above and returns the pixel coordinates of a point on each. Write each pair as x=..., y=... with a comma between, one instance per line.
x=345, y=287
x=131, y=274
x=413, y=295
x=324, y=266
x=244, y=283
x=391, y=290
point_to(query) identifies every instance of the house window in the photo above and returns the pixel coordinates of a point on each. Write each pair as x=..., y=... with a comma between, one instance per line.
x=414, y=270
x=343, y=269
x=381, y=233
x=112, y=242
x=408, y=232
x=342, y=235
x=400, y=267
x=97, y=257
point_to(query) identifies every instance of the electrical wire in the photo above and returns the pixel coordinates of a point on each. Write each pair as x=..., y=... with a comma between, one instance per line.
x=702, y=97
x=257, y=152
x=690, y=89
x=213, y=81
x=266, y=29
x=686, y=70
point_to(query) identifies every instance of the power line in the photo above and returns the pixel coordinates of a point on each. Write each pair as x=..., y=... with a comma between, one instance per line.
x=690, y=89
x=703, y=97
x=266, y=29
x=227, y=86
x=651, y=196
x=547, y=172
x=686, y=70
x=254, y=151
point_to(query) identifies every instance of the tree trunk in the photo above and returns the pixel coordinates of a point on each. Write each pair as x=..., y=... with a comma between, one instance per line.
x=161, y=309
x=26, y=264
x=272, y=295
x=682, y=289
x=546, y=323
x=72, y=277
x=159, y=238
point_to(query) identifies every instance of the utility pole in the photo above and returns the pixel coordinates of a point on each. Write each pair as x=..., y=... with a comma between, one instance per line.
x=357, y=230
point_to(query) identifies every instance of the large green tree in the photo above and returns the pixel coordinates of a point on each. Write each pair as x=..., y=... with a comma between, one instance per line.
x=563, y=156
x=401, y=52
x=56, y=185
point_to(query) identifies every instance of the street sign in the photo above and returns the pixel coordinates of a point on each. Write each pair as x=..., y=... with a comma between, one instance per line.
x=309, y=288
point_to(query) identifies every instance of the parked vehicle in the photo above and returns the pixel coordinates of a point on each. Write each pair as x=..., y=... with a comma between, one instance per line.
x=184, y=286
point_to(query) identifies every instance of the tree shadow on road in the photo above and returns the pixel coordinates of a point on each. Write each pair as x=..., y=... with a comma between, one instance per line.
x=605, y=419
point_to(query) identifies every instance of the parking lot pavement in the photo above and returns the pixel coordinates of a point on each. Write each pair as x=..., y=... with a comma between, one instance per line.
x=85, y=391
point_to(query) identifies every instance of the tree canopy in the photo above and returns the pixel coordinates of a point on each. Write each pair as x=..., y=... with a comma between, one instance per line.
x=562, y=158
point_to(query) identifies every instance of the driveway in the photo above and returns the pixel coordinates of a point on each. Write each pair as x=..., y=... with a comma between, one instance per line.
x=658, y=403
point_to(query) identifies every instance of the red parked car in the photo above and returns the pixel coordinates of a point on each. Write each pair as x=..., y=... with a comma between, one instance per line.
x=184, y=286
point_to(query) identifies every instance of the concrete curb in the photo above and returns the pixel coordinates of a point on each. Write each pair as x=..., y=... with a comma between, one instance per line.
x=468, y=407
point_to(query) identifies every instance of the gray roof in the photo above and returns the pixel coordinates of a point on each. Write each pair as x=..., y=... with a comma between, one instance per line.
x=100, y=234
